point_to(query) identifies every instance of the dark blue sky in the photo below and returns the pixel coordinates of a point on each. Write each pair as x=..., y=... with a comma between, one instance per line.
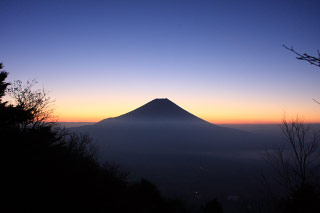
x=217, y=58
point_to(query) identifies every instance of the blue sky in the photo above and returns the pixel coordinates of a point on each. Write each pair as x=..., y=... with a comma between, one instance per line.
x=221, y=60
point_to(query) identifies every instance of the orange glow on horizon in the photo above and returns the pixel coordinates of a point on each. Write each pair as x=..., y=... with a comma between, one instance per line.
x=211, y=120
x=216, y=112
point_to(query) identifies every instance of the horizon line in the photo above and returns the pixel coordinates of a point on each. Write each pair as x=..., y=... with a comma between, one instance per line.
x=217, y=123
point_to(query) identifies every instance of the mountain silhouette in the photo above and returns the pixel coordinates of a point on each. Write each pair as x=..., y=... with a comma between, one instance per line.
x=157, y=110
x=162, y=126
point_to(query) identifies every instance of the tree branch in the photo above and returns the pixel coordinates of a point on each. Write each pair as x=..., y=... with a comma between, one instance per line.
x=306, y=57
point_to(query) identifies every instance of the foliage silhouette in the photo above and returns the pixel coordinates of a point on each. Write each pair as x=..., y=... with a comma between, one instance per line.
x=48, y=169
x=213, y=206
x=304, y=199
x=36, y=102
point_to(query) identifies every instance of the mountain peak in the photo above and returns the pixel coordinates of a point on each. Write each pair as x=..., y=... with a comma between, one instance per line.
x=160, y=101
x=159, y=109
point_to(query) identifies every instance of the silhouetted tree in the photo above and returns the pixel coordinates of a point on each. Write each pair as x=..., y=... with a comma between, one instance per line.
x=36, y=102
x=296, y=166
x=48, y=169
x=3, y=85
x=213, y=206
x=10, y=115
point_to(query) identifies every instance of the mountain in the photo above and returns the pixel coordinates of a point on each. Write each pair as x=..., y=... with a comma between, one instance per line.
x=161, y=126
x=157, y=110
x=180, y=152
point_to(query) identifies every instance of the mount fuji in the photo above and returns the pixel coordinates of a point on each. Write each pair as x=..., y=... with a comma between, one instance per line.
x=161, y=126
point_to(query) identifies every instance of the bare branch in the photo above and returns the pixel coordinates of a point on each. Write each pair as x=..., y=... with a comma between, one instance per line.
x=316, y=101
x=305, y=57
x=36, y=102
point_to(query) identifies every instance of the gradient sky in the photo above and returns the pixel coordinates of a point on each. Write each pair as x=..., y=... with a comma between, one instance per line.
x=220, y=60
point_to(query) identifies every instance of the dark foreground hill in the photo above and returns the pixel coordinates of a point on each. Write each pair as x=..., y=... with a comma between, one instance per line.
x=47, y=169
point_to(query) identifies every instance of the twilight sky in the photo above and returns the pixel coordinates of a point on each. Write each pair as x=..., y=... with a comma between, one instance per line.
x=220, y=60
